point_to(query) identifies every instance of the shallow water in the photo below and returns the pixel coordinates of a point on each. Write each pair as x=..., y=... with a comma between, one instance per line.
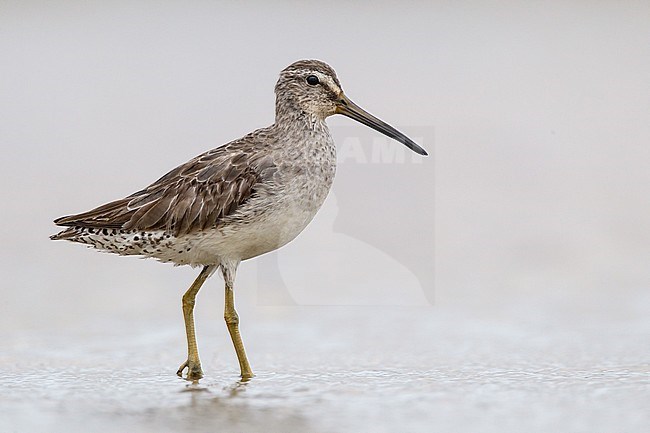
x=339, y=369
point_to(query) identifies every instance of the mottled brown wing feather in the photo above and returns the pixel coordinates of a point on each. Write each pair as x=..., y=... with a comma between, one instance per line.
x=194, y=196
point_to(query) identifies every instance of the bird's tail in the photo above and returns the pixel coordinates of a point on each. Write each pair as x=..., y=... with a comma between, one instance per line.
x=68, y=233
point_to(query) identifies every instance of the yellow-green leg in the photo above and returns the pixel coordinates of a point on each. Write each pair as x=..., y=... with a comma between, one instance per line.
x=232, y=320
x=193, y=364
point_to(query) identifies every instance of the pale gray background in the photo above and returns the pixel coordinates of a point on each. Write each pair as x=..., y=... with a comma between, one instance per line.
x=531, y=216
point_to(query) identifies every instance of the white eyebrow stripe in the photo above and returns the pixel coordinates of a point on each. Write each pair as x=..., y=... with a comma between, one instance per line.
x=329, y=82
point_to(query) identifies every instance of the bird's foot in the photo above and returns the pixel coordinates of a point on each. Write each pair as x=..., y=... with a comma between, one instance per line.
x=194, y=371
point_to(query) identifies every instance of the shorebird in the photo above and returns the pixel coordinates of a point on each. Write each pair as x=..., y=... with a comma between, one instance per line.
x=238, y=201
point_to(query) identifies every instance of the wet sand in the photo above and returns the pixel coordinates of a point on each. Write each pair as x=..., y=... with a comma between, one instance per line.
x=360, y=369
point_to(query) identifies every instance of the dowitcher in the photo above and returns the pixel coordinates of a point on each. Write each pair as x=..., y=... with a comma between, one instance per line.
x=238, y=201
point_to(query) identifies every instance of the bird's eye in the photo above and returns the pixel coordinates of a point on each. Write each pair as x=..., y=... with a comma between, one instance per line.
x=312, y=80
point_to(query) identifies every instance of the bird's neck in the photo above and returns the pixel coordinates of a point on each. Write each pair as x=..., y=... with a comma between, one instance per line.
x=293, y=119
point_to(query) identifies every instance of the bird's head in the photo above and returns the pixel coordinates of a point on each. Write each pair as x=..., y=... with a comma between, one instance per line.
x=312, y=87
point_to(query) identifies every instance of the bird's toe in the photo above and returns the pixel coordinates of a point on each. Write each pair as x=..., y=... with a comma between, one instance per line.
x=194, y=371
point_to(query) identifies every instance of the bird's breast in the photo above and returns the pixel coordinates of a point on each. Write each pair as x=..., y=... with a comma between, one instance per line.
x=282, y=206
x=299, y=188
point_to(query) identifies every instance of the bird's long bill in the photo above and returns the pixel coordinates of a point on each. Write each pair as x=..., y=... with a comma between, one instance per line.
x=353, y=111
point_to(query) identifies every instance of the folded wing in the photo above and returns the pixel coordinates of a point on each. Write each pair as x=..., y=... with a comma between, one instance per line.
x=192, y=197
